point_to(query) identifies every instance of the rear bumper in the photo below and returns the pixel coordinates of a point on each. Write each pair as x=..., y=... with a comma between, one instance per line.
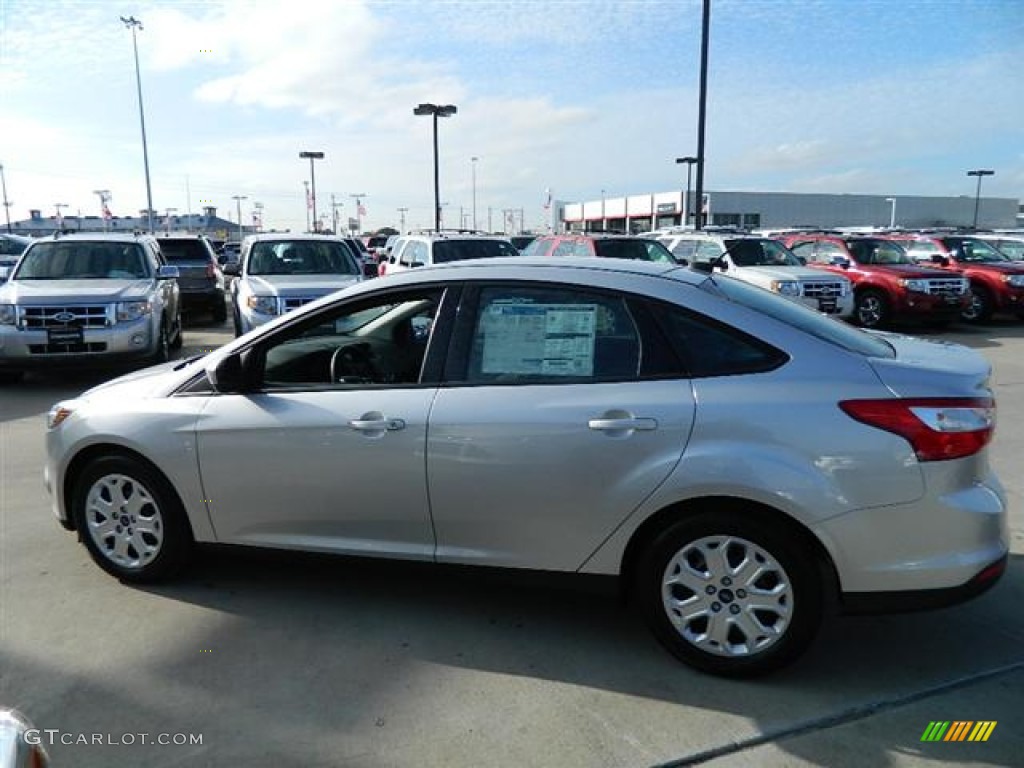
x=924, y=599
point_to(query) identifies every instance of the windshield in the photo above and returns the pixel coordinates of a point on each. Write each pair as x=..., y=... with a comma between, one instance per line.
x=748, y=252
x=869, y=251
x=973, y=250
x=797, y=315
x=460, y=250
x=301, y=258
x=625, y=248
x=82, y=260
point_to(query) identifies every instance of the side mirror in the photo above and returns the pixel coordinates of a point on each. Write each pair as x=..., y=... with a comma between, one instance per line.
x=233, y=374
x=703, y=266
x=416, y=264
x=802, y=260
x=942, y=261
x=234, y=269
x=369, y=269
x=167, y=272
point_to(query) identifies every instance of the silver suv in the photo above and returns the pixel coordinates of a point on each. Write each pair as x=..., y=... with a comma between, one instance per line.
x=88, y=299
x=429, y=248
x=765, y=263
x=278, y=273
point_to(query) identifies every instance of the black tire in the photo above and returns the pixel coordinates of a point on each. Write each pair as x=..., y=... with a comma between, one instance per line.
x=219, y=309
x=163, y=346
x=11, y=377
x=237, y=323
x=871, y=309
x=981, y=307
x=750, y=641
x=151, y=540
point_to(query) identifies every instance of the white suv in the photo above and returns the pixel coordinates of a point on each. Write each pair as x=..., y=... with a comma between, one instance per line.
x=426, y=249
x=765, y=263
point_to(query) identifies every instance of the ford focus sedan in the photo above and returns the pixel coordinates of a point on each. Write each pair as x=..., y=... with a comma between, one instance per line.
x=739, y=462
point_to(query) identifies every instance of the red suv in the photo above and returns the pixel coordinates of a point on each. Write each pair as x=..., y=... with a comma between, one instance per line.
x=887, y=284
x=997, y=282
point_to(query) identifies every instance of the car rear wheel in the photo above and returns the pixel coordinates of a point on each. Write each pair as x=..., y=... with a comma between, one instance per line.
x=178, y=339
x=130, y=520
x=872, y=309
x=980, y=308
x=163, y=345
x=729, y=595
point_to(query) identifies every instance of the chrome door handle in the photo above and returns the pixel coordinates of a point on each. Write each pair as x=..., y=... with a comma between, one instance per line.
x=376, y=425
x=618, y=425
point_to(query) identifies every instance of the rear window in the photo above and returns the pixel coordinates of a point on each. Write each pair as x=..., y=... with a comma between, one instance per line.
x=460, y=250
x=640, y=250
x=798, y=316
x=184, y=250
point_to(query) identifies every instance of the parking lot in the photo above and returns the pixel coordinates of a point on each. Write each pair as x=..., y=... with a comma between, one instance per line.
x=275, y=659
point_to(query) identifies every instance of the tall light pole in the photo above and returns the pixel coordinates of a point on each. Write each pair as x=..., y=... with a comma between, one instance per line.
x=7, y=203
x=134, y=24
x=473, y=160
x=305, y=184
x=977, y=195
x=238, y=208
x=436, y=111
x=690, y=161
x=60, y=218
x=334, y=212
x=892, y=212
x=257, y=215
x=702, y=110
x=401, y=225
x=358, y=197
x=312, y=181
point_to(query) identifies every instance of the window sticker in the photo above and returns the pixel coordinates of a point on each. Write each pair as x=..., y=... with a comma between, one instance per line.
x=539, y=339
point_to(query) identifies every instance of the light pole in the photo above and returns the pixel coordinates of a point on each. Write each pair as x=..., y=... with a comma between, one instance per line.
x=334, y=212
x=312, y=180
x=358, y=197
x=473, y=160
x=305, y=184
x=257, y=216
x=133, y=24
x=892, y=212
x=238, y=208
x=60, y=218
x=401, y=225
x=167, y=218
x=702, y=109
x=436, y=111
x=977, y=195
x=7, y=203
x=689, y=160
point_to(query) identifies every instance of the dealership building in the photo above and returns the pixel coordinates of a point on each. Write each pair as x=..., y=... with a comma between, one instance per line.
x=778, y=210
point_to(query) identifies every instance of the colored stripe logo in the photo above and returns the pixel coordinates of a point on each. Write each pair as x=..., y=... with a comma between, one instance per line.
x=958, y=730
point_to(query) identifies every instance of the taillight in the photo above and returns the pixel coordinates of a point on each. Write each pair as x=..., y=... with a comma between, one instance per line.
x=937, y=428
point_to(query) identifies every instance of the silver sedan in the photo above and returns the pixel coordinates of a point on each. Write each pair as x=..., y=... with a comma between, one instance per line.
x=739, y=462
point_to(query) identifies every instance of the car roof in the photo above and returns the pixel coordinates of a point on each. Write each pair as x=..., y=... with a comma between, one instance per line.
x=521, y=267
x=105, y=237
x=278, y=237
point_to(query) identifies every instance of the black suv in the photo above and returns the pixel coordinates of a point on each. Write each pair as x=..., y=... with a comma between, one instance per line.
x=199, y=275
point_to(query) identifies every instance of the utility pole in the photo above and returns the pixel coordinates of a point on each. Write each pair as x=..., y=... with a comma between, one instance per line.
x=308, y=204
x=134, y=24
x=401, y=225
x=335, y=205
x=258, y=216
x=7, y=203
x=238, y=205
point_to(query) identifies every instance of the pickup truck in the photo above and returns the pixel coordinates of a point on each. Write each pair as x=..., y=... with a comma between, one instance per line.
x=87, y=300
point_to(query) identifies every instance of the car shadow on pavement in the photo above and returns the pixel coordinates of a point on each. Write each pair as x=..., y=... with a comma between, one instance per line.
x=371, y=628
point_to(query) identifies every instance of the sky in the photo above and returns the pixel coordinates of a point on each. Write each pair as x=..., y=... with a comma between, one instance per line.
x=579, y=97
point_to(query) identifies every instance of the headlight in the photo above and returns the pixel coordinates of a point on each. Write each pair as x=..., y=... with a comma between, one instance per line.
x=133, y=310
x=58, y=415
x=265, y=305
x=786, y=287
x=915, y=284
x=1017, y=281
x=8, y=315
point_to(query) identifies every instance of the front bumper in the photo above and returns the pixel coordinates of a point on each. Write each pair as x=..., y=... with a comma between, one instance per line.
x=932, y=305
x=32, y=349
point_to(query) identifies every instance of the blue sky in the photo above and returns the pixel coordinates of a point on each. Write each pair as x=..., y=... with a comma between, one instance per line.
x=894, y=97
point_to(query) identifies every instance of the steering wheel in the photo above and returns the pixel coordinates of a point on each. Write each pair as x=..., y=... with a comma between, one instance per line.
x=353, y=364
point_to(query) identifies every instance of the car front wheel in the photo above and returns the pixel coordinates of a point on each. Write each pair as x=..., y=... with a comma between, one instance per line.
x=729, y=595
x=872, y=309
x=980, y=307
x=130, y=520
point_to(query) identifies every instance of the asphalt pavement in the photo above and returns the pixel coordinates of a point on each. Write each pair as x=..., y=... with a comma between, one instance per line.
x=277, y=659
